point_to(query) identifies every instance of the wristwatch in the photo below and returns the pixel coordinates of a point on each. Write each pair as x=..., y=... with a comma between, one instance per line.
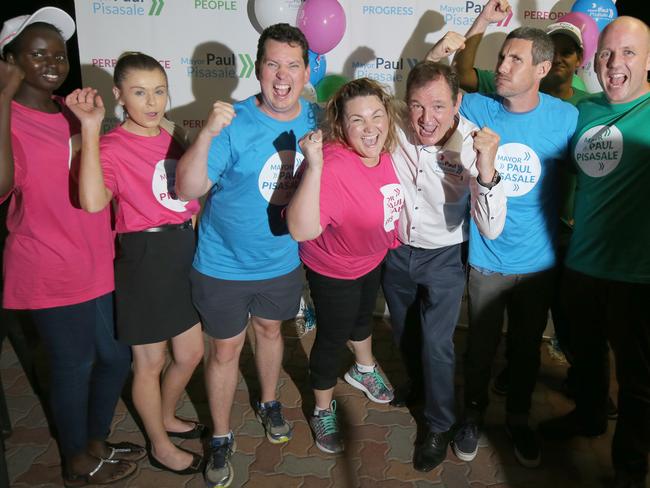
x=495, y=179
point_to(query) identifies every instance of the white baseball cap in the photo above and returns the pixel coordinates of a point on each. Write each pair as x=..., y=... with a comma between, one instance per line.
x=567, y=29
x=50, y=15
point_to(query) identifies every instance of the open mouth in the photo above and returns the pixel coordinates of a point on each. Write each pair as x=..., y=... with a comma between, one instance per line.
x=427, y=131
x=370, y=141
x=281, y=90
x=617, y=80
x=51, y=78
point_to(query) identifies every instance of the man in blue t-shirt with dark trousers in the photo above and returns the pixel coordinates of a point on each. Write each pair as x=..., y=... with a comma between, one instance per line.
x=515, y=272
x=246, y=158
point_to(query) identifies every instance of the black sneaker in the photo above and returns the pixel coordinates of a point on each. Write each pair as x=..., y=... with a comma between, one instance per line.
x=569, y=425
x=218, y=470
x=431, y=452
x=465, y=442
x=525, y=445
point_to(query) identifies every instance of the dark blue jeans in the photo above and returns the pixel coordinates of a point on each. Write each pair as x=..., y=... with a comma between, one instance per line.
x=88, y=368
x=423, y=289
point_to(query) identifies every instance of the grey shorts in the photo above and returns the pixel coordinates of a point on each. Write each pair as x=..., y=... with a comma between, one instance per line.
x=225, y=305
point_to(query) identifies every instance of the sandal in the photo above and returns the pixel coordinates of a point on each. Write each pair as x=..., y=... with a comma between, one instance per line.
x=125, y=451
x=194, y=433
x=94, y=477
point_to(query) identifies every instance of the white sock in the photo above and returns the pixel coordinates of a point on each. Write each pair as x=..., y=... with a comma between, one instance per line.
x=317, y=410
x=229, y=435
x=365, y=369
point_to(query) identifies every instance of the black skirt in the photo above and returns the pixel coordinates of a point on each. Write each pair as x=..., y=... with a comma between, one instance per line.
x=153, y=300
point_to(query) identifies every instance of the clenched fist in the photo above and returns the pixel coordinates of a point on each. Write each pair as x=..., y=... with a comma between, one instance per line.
x=486, y=144
x=311, y=146
x=220, y=116
x=448, y=45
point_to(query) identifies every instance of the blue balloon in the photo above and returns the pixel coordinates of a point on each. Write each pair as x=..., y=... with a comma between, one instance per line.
x=602, y=11
x=318, y=66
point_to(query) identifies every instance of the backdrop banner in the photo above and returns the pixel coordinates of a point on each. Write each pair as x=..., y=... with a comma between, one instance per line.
x=208, y=47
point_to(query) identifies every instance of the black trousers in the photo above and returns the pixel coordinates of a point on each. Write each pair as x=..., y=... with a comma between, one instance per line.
x=600, y=311
x=343, y=312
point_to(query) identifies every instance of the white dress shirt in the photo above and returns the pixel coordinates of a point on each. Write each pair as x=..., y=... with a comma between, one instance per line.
x=441, y=191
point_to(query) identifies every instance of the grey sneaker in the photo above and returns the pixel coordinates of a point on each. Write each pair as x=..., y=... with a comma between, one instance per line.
x=373, y=384
x=218, y=470
x=326, y=430
x=278, y=430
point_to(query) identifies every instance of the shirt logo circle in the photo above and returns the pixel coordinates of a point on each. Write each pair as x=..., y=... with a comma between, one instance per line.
x=599, y=150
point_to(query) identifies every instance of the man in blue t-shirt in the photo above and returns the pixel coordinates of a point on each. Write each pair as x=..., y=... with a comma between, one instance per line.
x=246, y=158
x=514, y=272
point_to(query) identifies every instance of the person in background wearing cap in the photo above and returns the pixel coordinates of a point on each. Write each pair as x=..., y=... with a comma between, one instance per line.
x=567, y=39
x=58, y=259
x=515, y=271
x=607, y=280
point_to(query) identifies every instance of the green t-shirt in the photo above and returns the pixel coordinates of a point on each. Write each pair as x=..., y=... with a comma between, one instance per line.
x=611, y=150
x=566, y=178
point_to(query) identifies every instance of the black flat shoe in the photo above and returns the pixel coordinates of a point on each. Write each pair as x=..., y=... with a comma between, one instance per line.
x=195, y=467
x=194, y=433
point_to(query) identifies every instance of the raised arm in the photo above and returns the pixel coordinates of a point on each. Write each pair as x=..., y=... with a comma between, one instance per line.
x=192, y=170
x=11, y=76
x=488, y=200
x=88, y=106
x=494, y=11
x=303, y=212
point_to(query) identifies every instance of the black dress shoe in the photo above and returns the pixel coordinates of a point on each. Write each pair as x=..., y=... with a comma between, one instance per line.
x=195, y=467
x=431, y=452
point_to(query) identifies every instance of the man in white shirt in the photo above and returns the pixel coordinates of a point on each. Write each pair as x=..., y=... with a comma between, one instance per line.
x=446, y=167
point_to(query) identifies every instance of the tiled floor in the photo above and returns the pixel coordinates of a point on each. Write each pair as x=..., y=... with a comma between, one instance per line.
x=379, y=439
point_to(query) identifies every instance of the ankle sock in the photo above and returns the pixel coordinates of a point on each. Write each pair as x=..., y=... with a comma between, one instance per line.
x=365, y=369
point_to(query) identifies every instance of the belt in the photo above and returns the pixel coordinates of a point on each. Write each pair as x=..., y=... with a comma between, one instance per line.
x=164, y=228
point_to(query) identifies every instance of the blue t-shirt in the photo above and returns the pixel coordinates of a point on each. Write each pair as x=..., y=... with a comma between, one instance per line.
x=532, y=146
x=253, y=164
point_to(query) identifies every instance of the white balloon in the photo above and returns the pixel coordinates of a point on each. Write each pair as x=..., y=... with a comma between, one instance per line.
x=588, y=75
x=269, y=12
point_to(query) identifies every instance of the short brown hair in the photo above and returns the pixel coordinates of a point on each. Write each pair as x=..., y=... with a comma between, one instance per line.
x=362, y=87
x=427, y=71
x=284, y=33
x=542, y=49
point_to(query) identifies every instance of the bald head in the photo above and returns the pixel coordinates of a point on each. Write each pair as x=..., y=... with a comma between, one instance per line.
x=627, y=22
x=623, y=59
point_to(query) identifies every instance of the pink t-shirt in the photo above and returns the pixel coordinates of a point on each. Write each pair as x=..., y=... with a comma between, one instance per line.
x=56, y=254
x=359, y=208
x=141, y=173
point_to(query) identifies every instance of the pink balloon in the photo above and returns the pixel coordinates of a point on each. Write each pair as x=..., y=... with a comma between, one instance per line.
x=589, y=30
x=323, y=23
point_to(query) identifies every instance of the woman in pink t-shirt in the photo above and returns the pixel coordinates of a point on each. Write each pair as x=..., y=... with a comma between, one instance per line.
x=135, y=164
x=344, y=215
x=58, y=259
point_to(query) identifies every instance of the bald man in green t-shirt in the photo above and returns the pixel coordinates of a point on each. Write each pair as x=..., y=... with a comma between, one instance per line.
x=607, y=282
